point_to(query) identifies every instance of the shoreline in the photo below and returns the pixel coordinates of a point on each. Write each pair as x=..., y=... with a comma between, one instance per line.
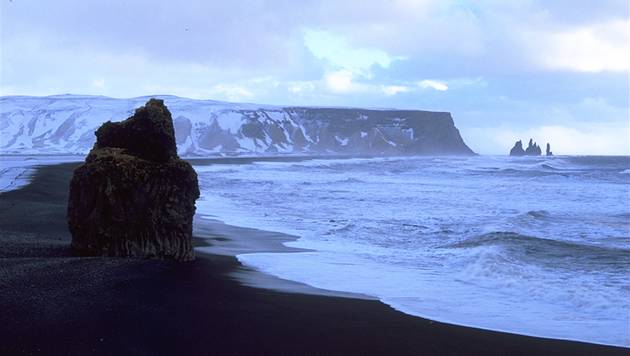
x=219, y=238
x=54, y=303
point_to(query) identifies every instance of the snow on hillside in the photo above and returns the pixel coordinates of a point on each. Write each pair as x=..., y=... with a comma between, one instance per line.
x=65, y=124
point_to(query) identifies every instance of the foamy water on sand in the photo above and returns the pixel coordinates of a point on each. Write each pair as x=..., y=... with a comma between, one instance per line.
x=537, y=246
x=16, y=171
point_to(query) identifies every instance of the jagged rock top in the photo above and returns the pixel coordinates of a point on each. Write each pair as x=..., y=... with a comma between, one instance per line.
x=517, y=150
x=532, y=149
x=148, y=134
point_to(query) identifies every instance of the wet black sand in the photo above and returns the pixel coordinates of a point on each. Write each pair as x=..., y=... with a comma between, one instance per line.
x=52, y=303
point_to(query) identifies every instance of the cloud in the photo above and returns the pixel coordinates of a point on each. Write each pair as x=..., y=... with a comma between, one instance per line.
x=593, y=48
x=433, y=84
x=231, y=92
x=300, y=87
x=193, y=31
x=340, y=54
x=98, y=83
x=340, y=81
x=343, y=82
x=390, y=90
x=405, y=28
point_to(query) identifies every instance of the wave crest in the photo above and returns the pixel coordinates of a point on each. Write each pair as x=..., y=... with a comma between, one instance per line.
x=554, y=253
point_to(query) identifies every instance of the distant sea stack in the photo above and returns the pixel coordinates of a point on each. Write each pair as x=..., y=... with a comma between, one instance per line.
x=532, y=149
x=134, y=196
x=548, y=151
x=517, y=150
x=65, y=124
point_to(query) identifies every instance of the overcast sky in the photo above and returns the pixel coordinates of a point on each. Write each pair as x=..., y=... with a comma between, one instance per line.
x=553, y=70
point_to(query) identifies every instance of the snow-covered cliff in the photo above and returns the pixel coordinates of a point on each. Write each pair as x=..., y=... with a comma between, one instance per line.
x=65, y=124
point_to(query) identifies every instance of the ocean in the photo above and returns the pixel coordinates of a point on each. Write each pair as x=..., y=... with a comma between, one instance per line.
x=532, y=245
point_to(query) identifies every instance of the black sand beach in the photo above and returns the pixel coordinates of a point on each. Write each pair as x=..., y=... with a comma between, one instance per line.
x=52, y=303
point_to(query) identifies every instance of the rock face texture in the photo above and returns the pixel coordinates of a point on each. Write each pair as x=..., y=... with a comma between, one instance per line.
x=134, y=196
x=532, y=149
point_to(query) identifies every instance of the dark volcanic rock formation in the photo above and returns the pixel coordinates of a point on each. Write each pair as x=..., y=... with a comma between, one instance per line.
x=532, y=149
x=548, y=151
x=134, y=196
x=148, y=134
x=517, y=150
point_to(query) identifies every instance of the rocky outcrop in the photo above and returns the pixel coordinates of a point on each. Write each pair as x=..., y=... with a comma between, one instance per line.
x=532, y=149
x=517, y=150
x=548, y=150
x=134, y=196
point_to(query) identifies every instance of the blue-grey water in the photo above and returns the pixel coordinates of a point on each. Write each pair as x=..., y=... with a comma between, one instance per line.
x=534, y=245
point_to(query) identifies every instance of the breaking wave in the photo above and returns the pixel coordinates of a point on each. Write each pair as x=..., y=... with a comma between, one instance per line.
x=530, y=245
x=568, y=254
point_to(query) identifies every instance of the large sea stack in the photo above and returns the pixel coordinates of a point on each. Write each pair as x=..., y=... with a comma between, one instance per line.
x=134, y=196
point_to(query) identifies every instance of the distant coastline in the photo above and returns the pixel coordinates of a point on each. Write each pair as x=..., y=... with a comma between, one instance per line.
x=65, y=124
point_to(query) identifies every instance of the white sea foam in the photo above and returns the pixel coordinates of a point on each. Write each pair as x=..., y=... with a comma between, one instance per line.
x=535, y=246
x=17, y=171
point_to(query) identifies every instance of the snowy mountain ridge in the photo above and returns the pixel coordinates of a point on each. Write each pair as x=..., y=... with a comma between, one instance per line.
x=65, y=124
